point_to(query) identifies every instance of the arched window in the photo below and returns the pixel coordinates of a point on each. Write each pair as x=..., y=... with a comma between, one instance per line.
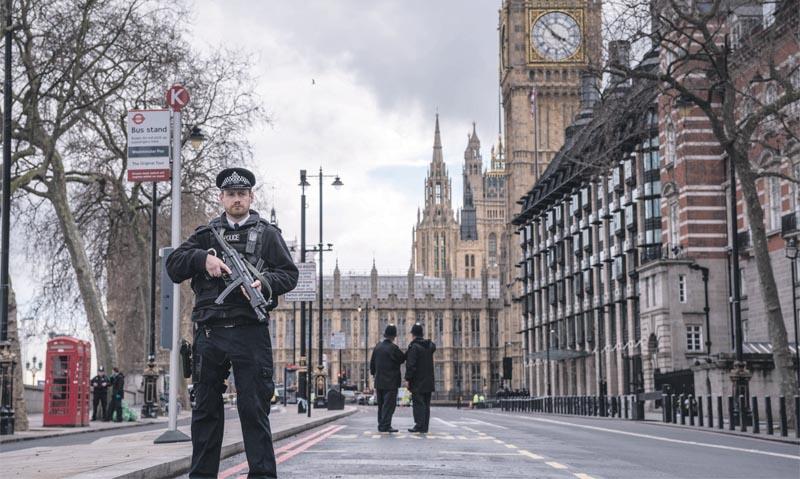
x=670, y=145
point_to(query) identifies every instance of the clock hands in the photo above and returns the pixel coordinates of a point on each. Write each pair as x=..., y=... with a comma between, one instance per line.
x=552, y=32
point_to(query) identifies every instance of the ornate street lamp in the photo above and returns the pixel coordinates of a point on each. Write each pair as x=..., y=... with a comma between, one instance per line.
x=33, y=367
x=791, y=253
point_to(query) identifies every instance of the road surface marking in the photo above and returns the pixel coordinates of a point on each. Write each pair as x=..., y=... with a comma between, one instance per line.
x=511, y=446
x=665, y=439
x=344, y=436
x=290, y=454
x=556, y=465
x=473, y=453
x=489, y=424
x=498, y=441
x=448, y=424
x=530, y=454
x=299, y=442
x=581, y=475
x=463, y=438
x=470, y=429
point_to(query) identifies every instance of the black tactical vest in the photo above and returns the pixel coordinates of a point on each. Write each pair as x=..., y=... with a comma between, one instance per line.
x=247, y=241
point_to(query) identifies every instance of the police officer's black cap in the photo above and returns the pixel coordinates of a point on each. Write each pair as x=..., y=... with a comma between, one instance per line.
x=416, y=330
x=390, y=332
x=235, y=178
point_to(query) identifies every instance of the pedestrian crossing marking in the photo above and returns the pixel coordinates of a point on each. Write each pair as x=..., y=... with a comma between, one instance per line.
x=530, y=454
x=581, y=475
x=463, y=437
x=511, y=446
x=343, y=436
x=498, y=441
x=556, y=465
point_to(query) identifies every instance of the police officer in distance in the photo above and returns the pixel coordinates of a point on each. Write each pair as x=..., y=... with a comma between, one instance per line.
x=100, y=393
x=385, y=366
x=230, y=333
x=420, y=378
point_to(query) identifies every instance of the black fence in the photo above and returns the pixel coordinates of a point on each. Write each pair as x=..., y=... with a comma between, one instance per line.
x=701, y=411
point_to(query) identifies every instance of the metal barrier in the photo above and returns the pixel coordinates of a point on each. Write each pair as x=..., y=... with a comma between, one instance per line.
x=699, y=410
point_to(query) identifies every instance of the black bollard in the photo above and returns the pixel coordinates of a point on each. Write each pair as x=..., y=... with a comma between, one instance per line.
x=731, y=421
x=626, y=406
x=797, y=416
x=743, y=413
x=710, y=405
x=691, y=410
x=720, y=417
x=782, y=413
x=768, y=414
x=754, y=408
x=682, y=398
x=700, y=411
x=664, y=415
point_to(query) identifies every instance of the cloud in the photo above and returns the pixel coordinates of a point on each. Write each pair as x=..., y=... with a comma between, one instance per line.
x=353, y=87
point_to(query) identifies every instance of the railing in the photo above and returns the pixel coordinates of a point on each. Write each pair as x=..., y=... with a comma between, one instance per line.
x=700, y=411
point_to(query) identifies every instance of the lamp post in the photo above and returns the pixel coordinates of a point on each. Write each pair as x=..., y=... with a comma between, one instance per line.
x=740, y=376
x=7, y=359
x=791, y=253
x=704, y=272
x=337, y=183
x=304, y=377
x=366, y=345
x=33, y=367
x=547, y=364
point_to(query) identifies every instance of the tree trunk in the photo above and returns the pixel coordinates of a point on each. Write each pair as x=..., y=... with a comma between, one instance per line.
x=90, y=293
x=20, y=410
x=128, y=293
x=766, y=281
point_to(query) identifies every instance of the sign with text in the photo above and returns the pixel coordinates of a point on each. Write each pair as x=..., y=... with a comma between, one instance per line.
x=337, y=340
x=306, y=289
x=148, y=145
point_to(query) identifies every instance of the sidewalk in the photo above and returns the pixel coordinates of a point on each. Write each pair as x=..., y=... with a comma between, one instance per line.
x=37, y=431
x=134, y=455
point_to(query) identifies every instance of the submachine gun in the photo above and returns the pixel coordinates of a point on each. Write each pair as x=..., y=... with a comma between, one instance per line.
x=243, y=274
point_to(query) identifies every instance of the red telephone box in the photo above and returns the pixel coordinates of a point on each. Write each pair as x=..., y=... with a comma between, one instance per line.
x=66, y=387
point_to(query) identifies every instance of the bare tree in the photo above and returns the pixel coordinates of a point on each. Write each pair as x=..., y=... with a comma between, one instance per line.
x=740, y=70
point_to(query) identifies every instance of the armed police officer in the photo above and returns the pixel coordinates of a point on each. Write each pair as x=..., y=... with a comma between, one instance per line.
x=100, y=393
x=232, y=329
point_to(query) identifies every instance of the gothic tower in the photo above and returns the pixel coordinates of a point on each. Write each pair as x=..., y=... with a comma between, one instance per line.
x=436, y=232
x=545, y=46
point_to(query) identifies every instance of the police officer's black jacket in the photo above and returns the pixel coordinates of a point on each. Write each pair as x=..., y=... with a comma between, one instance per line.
x=118, y=384
x=189, y=261
x=100, y=383
x=385, y=365
x=419, y=365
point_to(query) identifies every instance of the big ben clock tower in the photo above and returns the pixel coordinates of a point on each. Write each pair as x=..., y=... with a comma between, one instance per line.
x=545, y=46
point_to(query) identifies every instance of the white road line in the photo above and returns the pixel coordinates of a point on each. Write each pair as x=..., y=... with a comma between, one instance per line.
x=470, y=429
x=490, y=424
x=511, y=446
x=473, y=453
x=343, y=436
x=498, y=441
x=556, y=465
x=463, y=438
x=581, y=475
x=530, y=454
x=664, y=439
x=448, y=424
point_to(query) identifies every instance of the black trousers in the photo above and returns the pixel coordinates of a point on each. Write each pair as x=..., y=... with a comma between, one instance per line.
x=249, y=350
x=387, y=402
x=115, y=407
x=421, y=405
x=101, y=399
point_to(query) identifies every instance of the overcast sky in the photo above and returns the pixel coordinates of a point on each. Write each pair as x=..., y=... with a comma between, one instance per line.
x=380, y=70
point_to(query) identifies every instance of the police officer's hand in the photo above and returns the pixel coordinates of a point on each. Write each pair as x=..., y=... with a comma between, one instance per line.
x=256, y=285
x=215, y=266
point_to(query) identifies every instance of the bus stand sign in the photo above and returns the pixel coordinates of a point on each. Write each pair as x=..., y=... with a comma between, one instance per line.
x=148, y=145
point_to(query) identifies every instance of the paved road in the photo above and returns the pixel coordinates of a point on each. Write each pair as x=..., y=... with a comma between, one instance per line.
x=464, y=443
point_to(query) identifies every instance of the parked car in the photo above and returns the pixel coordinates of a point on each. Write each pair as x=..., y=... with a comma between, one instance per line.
x=349, y=396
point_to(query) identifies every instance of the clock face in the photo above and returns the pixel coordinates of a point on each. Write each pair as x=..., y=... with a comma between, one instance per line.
x=556, y=36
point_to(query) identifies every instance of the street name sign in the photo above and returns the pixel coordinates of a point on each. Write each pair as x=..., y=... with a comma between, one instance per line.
x=306, y=289
x=148, y=145
x=337, y=340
